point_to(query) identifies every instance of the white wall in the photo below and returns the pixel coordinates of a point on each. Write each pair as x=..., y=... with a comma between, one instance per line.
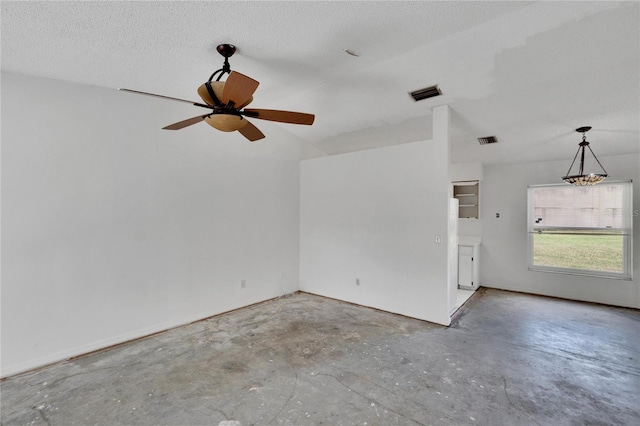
x=113, y=228
x=452, y=258
x=504, y=241
x=372, y=215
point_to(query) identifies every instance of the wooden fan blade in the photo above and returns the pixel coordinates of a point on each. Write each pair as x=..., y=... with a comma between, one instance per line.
x=184, y=123
x=238, y=88
x=281, y=116
x=251, y=132
x=164, y=97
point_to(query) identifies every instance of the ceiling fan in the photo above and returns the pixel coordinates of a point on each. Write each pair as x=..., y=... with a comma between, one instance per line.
x=227, y=101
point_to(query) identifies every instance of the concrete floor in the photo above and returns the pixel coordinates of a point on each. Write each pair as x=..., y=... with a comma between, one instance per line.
x=508, y=359
x=462, y=296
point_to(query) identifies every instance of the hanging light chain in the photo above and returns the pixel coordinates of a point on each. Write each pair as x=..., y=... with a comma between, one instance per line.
x=581, y=178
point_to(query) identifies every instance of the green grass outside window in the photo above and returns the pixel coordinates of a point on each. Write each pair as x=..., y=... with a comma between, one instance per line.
x=591, y=252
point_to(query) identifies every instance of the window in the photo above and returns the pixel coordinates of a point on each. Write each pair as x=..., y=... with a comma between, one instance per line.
x=583, y=230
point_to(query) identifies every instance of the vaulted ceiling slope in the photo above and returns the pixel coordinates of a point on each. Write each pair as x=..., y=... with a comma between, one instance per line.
x=526, y=72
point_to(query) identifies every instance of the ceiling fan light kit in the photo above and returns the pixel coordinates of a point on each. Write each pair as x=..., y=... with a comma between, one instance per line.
x=584, y=179
x=227, y=99
x=226, y=122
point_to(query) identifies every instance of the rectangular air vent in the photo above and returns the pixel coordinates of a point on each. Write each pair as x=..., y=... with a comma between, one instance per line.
x=428, y=92
x=487, y=140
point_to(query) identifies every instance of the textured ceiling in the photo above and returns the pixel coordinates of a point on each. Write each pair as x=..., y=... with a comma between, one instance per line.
x=527, y=72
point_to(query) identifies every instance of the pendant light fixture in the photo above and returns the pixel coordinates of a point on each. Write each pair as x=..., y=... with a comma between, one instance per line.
x=582, y=179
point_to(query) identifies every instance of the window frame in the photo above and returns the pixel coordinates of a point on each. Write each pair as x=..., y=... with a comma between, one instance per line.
x=626, y=231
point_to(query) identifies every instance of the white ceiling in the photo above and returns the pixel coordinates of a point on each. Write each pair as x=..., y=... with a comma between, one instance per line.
x=526, y=72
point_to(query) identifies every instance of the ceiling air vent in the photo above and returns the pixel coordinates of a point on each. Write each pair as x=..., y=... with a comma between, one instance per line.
x=487, y=140
x=428, y=92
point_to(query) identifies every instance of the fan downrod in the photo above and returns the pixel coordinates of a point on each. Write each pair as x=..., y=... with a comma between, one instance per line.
x=226, y=50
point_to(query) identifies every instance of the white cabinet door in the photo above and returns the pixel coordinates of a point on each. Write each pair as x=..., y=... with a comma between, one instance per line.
x=468, y=271
x=465, y=269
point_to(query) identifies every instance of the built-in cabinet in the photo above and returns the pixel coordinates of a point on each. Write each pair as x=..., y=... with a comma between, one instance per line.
x=468, y=269
x=468, y=195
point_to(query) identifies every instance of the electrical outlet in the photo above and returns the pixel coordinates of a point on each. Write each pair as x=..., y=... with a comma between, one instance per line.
x=438, y=240
x=357, y=281
x=243, y=284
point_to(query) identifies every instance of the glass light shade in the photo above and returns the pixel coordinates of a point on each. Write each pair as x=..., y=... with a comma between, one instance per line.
x=584, y=180
x=226, y=122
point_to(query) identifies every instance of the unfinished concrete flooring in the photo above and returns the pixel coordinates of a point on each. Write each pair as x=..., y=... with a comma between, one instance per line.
x=508, y=359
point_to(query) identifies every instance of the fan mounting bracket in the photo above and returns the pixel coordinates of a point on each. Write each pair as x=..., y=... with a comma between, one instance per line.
x=226, y=50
